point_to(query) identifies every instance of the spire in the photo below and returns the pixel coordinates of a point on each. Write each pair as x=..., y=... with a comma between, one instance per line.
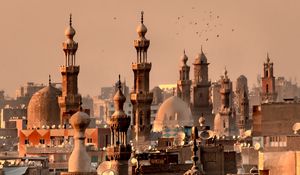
x=268, y=58
x=49, y=80
x=225, y=72
x=201, y=49
x=142, y=17
x=119, y=82
x=119, y=98
x=194, y=170
x=70, y=46
x=141, y=43
x=184, y=58
x=70, y=22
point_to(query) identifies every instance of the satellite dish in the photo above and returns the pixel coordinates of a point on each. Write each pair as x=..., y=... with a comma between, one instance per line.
x=206, y=134
x=43, y=127
x=53, y=126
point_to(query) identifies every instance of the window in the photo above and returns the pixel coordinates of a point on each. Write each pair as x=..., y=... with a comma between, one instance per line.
x=42, y=141
x=26, y=141
x=89, y=140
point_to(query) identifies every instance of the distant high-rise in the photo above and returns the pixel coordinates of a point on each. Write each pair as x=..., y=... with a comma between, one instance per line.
x=200, y=90
x=69, y=101
x=184, y=82
x=268, y=82
x=141, y=98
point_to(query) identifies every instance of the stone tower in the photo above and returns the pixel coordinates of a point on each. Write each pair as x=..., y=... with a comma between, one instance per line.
x=184, y=82
x=69, y=101
x=223, y=122
x=141, y=98
x=268, y=93
x=242, y=101
x=200, y=90
x=120, y=151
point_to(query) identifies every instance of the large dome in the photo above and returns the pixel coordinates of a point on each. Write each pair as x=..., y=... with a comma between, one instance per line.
x=173, y=111
x=43, y=108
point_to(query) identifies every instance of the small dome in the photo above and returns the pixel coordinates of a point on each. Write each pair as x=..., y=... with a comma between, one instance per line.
x=172, y=109
x=141, y=29
x=80, y=120
x=242, y=78
x=183, y=59
x=200, y=58
x=70, y=32
x=43, y=108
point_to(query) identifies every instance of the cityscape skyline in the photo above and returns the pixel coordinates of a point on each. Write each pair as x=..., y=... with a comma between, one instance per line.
x=105, y=33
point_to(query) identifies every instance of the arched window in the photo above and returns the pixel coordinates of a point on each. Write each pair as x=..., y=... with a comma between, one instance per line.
x=267, y=88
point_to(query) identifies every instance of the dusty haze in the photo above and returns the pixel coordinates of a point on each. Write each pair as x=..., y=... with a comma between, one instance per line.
x=238, y=36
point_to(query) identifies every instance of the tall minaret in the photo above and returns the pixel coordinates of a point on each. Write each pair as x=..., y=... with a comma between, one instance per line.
x=200, y=90
x=141, y=98
x=268, y=82
x=184, y=82
x=120, y=150
x=69, y=101
x=224, y=124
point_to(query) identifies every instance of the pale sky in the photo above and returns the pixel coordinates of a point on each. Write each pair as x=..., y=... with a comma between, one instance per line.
x=238, y=35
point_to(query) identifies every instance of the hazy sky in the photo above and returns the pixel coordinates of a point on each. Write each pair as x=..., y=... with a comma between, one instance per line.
x=238, y=35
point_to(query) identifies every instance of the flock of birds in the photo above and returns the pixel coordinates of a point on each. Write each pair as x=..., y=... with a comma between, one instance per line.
x=209, y=25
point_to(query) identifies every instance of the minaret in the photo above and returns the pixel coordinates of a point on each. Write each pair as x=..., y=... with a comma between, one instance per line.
x=268, y=83
x=224, y=123
x=242, y=104
x=141, y=98
x=79, y=162
x=119, y=122
x=200, y=90
x=225, y=91
x=69, y=101
x=184, y=82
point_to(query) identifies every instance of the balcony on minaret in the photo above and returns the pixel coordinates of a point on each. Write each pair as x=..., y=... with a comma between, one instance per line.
x=141, y=97
x=141, y=66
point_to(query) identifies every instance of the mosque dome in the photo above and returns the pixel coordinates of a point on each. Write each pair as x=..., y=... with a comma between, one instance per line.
x=141, y=29
x=43, y=108
x=70, y=31
x=183, y=59
x=173, y=110
x=200, y=58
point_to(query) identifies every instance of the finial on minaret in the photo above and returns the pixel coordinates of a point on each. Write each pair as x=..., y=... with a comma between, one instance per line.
x=268, y=58
x=49, y=80
x=119, y=82
x=142, y=17
x=201, y=49
x=225, y=71
x=80, y=104
x=70, y=19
